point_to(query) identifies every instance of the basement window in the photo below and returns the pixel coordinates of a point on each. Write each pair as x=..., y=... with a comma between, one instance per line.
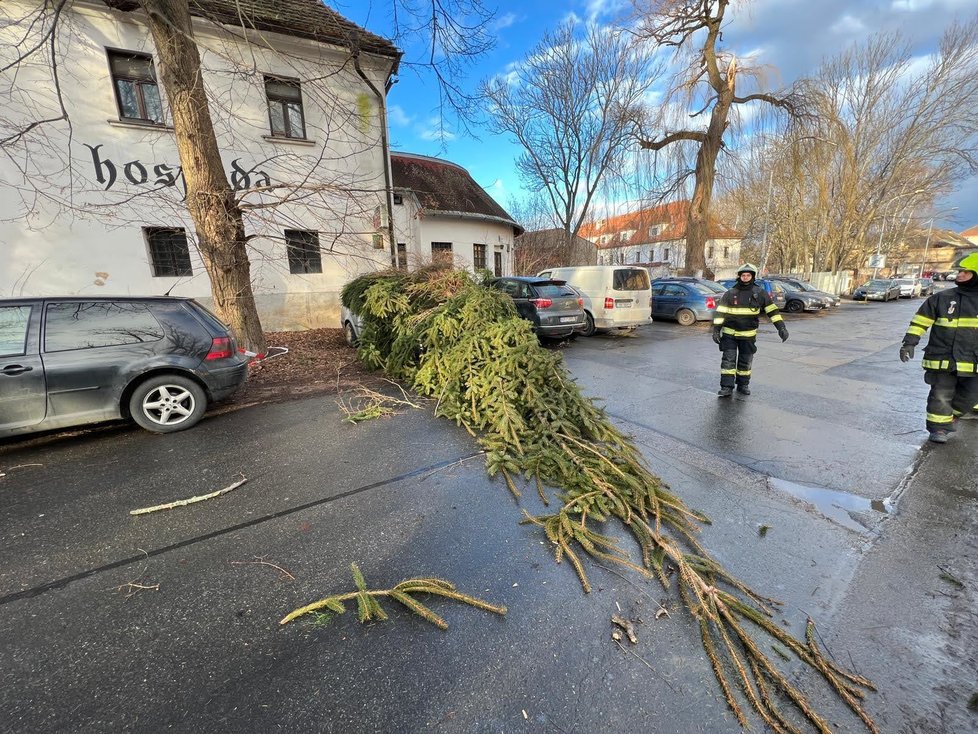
x=303, y=251
x=169, y=254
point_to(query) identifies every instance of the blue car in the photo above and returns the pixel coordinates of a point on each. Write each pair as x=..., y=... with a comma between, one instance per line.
x=773, y=288
x=685, y=301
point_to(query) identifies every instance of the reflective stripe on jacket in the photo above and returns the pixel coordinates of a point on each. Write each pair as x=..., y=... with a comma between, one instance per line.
x=738, y=313
x=952, y=317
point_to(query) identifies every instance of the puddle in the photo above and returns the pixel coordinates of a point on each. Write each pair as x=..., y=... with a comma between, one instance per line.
x=832, y=503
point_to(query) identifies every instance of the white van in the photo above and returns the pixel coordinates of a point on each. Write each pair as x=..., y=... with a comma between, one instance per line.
x=615, y=296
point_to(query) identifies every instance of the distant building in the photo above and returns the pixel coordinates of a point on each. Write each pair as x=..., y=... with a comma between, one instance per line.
x=656, y=239
x=971, y=234
x=548, y=248
x=935, y=251
x=442, y=214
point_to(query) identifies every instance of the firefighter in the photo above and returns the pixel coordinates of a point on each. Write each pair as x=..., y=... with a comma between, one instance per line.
x=951, y=351
x=735, y=329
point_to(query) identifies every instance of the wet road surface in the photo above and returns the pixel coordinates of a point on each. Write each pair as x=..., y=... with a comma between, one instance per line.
x=868, y=534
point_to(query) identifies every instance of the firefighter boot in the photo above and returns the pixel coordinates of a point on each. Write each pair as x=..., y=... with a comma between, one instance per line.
x=725, y=392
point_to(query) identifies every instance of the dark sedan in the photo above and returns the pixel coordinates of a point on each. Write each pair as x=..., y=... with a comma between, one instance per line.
x=877, y=290
x=554, y=308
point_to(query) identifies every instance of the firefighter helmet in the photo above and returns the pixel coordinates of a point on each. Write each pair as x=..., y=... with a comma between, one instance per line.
x=747, y=268
x=968, y=262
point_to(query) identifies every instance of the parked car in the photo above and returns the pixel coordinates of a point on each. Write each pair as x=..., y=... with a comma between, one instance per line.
x=774, y=289
x=686, y=302
x=615, y=296
x=877, y=290
x=830, y=298
x=72, y=361
x=926, y=286
x=710, y=284
x=909, y=287
x=554, y=308
x=351, y=324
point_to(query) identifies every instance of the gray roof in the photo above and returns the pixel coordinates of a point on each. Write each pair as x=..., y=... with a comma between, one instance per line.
x=302, y=18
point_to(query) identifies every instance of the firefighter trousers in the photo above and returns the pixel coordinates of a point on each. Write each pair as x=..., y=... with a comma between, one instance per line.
x=950, y=395
x=738, y=354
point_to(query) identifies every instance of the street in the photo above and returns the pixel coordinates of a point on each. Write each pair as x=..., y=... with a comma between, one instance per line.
x=821, y=489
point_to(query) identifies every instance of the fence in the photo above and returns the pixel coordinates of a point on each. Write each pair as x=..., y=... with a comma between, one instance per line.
x=836, y=283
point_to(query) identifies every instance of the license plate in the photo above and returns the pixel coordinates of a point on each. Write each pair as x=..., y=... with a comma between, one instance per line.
x=623, y=304
x=568, y=319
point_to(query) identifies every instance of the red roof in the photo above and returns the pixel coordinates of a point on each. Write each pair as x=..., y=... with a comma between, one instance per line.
x=671, y=217
x=970, y=232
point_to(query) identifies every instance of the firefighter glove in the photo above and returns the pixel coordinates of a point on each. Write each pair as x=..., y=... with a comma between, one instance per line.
x=906, y=352
x=783, y=332
x=716, y=334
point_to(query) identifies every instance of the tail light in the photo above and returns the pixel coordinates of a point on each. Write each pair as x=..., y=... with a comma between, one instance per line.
x=580, y=301
x=221, y=348
x=711, y=302
x=542, y=302
x=609, y=303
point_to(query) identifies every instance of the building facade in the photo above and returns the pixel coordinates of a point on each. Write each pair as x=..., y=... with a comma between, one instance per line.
x=441, y=215
x=655, y=238
x=95, y=204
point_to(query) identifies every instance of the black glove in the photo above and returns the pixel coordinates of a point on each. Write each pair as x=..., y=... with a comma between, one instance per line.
x=782, y=331
x=716, y=334
x=906, y=352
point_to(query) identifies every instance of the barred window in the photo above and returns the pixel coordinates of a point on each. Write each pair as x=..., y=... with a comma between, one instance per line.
x=303, y=251
x=479, y=256
x=136, y=90
x=169, y=254
x=441, y=253
x=285, y=107
x=402, y=256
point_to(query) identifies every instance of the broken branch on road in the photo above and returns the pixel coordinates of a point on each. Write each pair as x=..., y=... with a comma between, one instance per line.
x=190, y=500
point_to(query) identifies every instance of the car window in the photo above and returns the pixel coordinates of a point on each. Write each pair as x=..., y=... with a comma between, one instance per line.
x=544, y=274
x=523, y=290
x=13, y=330
x=714, y=287
x=776, y=288
x=704, y=289
x=658, y=289
x=903, y=282
x=631, y=279
x=89, y=324
x=553, y=291
x=675, y=290
x=509, y=287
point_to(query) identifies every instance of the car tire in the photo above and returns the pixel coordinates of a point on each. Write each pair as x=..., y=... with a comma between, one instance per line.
x=350, y=334
x=794, y=306
x=155, y=401
x=685, y=317
x=589, y=327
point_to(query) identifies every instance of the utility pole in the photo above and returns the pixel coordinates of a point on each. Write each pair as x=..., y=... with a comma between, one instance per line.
x=923, y=260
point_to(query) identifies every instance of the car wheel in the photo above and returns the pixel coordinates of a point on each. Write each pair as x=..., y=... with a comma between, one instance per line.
x=685, y=317
x=588, y=329
x=794, y=306
x=351, y=335
x=167, y=403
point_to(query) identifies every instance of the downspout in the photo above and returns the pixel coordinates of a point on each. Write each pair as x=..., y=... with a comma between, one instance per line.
x=388, y=176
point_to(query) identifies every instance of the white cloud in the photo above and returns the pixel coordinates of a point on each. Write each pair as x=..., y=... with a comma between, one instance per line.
x=505, y=21
x=398, y=116
x=436, y=132
x=848, y=25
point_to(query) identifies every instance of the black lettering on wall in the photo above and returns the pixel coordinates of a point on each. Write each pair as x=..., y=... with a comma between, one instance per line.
x=139, y=168
x=101, y=167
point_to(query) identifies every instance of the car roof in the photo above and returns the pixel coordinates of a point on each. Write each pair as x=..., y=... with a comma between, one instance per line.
x=532, y=279
x=87, y=298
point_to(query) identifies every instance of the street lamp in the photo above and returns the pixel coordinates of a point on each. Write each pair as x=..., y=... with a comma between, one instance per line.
x=930, y=228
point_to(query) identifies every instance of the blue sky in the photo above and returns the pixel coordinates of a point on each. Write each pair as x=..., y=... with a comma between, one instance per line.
x=789, y=36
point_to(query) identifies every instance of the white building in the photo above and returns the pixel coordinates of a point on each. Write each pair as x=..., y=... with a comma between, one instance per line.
x=656, y=239
x=442, y=214
x=297, y=96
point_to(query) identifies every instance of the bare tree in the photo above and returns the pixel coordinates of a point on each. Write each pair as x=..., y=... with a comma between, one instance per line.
x=706, y=81
x=572, y=104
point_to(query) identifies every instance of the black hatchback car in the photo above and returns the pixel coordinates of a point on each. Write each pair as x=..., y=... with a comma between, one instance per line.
x=69, y=361
x=554, y=308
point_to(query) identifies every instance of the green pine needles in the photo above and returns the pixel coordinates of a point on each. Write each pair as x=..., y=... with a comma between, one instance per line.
x=464, y=345
x=368, y=606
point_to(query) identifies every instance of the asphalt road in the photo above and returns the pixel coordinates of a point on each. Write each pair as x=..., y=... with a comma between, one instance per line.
x=169, y=621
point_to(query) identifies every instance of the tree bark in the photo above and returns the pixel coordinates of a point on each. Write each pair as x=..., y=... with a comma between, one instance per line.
x=210, y=199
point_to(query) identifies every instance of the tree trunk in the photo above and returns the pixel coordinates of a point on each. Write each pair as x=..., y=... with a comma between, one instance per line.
x=698, y=216
x=211, y=201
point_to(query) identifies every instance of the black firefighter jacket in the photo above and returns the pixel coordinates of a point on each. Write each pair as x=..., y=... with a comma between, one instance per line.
x=739, y=310
x=952, y=316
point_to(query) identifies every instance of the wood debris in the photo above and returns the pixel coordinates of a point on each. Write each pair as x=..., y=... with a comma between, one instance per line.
x=190, y=500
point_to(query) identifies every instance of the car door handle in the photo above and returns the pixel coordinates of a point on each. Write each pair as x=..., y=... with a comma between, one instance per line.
x=15, y=369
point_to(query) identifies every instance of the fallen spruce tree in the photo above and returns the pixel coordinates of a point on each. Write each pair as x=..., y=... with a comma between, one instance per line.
x=452, y=339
